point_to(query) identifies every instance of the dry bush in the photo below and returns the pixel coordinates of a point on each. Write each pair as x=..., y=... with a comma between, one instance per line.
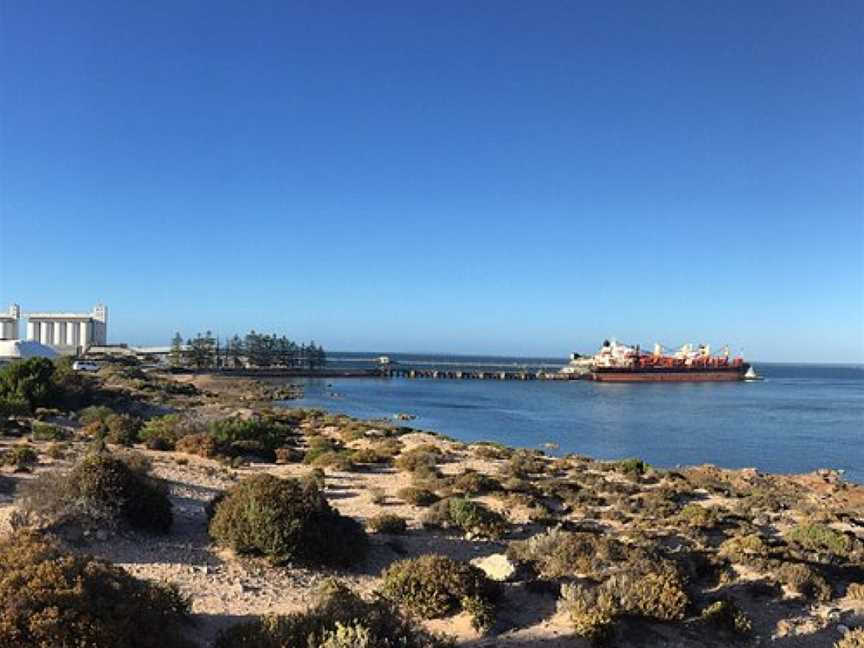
x=52, y=598
x=556, y=553
x=490, y=451
x=421, y=458
x=101, y=490
x=855, y=591
x=197, y=443
x=417, y=496
x=339, y=618
x=591, y=611
x=471, y=482
x=434, y=586
x=387, y=523
x=286, y=520
x=21, y=456
x=852, y=639
x=466, y=515
x=803, y=580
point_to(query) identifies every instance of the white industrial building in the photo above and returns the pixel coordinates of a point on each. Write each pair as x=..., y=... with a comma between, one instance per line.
x=69, y=331
x=9, y=323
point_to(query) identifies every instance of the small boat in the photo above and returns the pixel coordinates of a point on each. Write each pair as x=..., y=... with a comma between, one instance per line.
x=751, y=375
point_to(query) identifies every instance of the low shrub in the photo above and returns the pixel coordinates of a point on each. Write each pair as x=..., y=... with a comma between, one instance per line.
x=286, y=455
x=702, y=517
x=822, y=538
x=727, y=616
x=370, y=456
x=269, y=432
x=21, y=456
x=855, y=591
x=803, y=580
x=377, y=495
x=417, y=496
x=387, y=523
x=434, y=586
x=471, y=482
x=490, y=451
x=745, y=549
x=852, y=639
x=319, y=445
x=286, y=520
x=591, y=611
x=523, y=464
x=94, y=413
x=633, y=467
x=419, y=458
x=123, y=429
x=197, y=443
x=556, y=553
x=467, y=515
x=163, y=432
x=52, y=598
x=48, y=432
x=339, y=618
x=340, y=460
x=101, y=490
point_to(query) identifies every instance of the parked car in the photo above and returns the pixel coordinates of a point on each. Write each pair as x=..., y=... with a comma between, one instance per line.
x=85, y=365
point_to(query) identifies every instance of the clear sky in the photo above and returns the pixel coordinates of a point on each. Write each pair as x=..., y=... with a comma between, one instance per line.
x=491, y=177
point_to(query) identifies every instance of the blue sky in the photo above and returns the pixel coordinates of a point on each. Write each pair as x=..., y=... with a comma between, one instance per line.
x=492, y=177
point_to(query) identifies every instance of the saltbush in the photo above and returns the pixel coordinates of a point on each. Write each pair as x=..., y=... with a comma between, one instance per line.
x=855, y=591
x=434, y=586
x=28, y=384
x=819, y=537
x=726, y=615
x=591, y=611
x=101, y=489
x=286, y=520
x=803, y=580
x=122, y=429
x=417, y=496
x=52, y=598
x=424, y=457
x=41, y=431
x=163, y=432
x=852, y=639
x=556, y=553
x=471, y=482
x=339, y=618
x=387, y=523
x=21, y=456
x=466, y=515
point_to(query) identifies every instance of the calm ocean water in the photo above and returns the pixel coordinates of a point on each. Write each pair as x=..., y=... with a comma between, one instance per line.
x=801, y=417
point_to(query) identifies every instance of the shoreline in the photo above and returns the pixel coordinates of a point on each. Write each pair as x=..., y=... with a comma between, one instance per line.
x=690, y=518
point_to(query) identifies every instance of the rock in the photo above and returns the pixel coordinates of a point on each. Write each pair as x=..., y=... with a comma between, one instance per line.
x=497, y=566
x=842, y=629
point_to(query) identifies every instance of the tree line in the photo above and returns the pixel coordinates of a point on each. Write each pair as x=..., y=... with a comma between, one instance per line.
x=205, y=351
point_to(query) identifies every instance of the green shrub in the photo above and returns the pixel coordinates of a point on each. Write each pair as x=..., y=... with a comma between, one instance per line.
x=163, y=432
x=466, y=515
x=632, y=467
x=52, y=598
x=434, y=586
x=726, y=615
x=701, y=517
x=819, y=537
x=417, y=496
x=21, y=456
x=319, y=445
x=745, y=549
x=387, y=523
x=100, y=489
x=656, y=594
x=123, y=429
x=268, y=431
x=339, y=618
x=286, y=520
x=337, y=460
x=490, y=451
x=28, y=384
x=94, y=413
x=591, y=611
x=48, y=432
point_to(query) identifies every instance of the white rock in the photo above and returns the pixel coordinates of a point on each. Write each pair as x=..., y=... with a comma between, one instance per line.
x=496, y=566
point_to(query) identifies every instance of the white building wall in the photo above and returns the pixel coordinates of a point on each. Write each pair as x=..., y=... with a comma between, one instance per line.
x=31, y=330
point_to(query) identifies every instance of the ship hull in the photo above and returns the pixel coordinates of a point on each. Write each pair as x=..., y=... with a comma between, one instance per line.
x=669, y=375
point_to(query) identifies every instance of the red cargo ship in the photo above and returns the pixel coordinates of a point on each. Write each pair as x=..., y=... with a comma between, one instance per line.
x=621, y=363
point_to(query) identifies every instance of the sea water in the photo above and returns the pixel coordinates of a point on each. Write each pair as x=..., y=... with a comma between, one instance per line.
x=799, y=418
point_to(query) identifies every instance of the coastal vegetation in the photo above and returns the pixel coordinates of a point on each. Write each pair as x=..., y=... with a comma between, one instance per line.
x=473, y=539
x=205, y=351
